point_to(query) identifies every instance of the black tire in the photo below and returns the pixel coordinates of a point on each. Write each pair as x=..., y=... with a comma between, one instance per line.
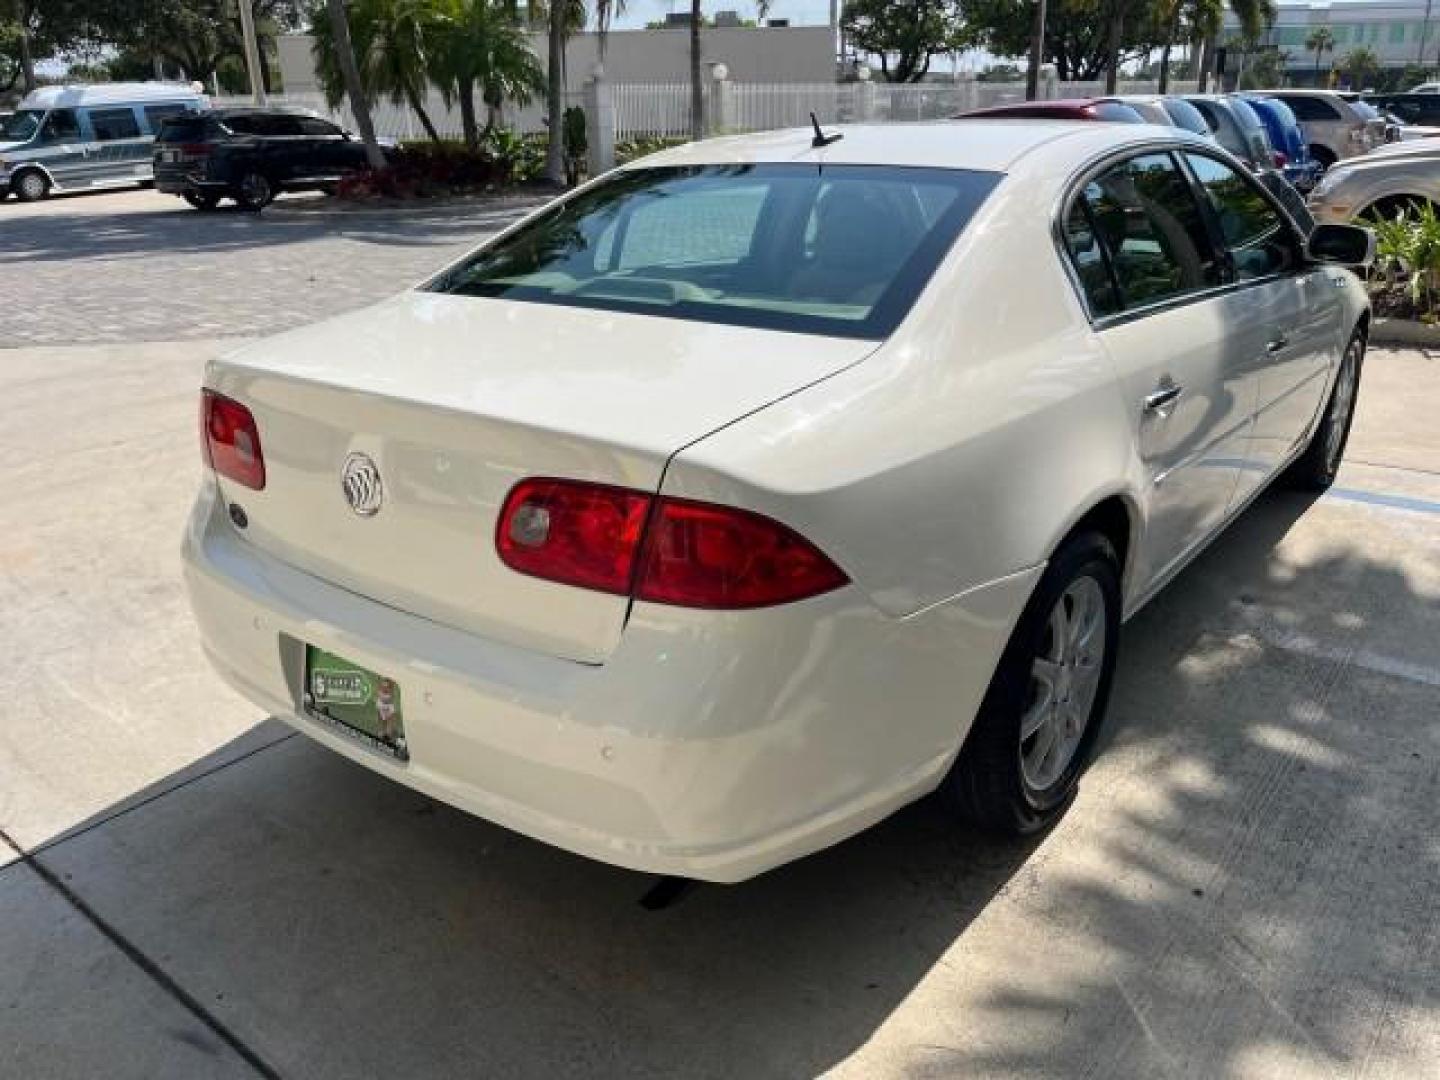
x=990, y=783
x=202, y=200
x=255, y=191
x=30, y=185
x=1317, y=465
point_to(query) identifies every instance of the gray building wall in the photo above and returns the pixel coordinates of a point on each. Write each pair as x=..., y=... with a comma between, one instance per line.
x=791, y=54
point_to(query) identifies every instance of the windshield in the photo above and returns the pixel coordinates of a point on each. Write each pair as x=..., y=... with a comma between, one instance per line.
x=836, y=249
x=20, y=127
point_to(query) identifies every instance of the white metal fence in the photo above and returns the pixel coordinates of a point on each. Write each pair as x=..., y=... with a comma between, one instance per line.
x=663, y=109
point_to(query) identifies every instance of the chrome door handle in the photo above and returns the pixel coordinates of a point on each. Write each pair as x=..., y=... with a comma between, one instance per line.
x=1159, y=400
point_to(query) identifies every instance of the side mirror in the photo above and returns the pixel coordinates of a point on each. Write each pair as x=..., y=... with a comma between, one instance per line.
x=1342, y=245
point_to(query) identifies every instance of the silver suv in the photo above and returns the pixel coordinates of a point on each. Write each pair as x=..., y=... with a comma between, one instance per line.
x=1335, y=128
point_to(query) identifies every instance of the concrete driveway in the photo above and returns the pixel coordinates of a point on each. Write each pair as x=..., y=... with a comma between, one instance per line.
x=1246, y=885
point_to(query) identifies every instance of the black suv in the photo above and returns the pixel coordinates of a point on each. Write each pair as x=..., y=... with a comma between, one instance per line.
x=250, y=155
x=1423, y=109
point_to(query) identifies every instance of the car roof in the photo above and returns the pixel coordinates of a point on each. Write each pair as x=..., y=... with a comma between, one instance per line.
x=268, y=110
x=76, y=94
x=984, y=144
x=1301, y=92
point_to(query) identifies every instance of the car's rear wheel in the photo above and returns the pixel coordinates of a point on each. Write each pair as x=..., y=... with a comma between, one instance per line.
x=255, y=191
x=1033, y=734
x=1315, y=469
x=202, y=200
x=32, y=185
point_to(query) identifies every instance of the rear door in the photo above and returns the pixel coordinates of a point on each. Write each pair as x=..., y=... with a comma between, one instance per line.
x=331, y=154
x=1158, y=291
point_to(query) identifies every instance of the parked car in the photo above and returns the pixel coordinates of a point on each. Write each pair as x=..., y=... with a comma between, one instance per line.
x=1061, y=109
x=1382, y=184
x=1337, y=129
x=1167, y=111
x=251, y=155
x=1238, y=128
x=1413, y=108
x=74, y=138
x=1426, y=88
x=1287, y=141
x=712, y=512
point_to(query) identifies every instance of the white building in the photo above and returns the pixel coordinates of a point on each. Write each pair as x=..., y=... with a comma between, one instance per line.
x=1398, y=32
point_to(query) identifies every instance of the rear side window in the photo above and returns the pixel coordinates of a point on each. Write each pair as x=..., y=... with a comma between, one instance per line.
x=183, y=129
x=111, y=124
x=1152, y=230
x=1311, y=108
x=315, y=128
x=1117, y=112
x=842, y=250
x=156, y=115
x=1092, y=265
x=1184, y=115
x=1256, y=238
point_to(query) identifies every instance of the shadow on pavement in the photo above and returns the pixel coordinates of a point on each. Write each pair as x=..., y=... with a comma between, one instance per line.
x=1246, y=883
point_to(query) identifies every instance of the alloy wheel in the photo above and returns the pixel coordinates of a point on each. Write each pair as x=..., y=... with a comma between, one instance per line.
x=1337, y=423
x=1064, y=677
x=255, y=190
x=31, y=186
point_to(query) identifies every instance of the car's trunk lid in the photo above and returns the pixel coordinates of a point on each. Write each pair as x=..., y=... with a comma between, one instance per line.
x=455, y=399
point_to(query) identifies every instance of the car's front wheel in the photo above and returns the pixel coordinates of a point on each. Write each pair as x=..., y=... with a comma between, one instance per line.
x=1022, y=760
x=255, y=191
x=30, y=185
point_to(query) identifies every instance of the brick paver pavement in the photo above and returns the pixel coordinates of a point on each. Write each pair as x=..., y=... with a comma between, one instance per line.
x=139, y=266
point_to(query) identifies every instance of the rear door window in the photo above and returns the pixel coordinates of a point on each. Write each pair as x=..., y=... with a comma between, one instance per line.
x=112, y=124
x=156, y=115
x=1311, y=108
x=1092, y=264
x=1152, y=230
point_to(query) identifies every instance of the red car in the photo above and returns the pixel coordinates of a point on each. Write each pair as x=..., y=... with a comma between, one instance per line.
x=1063, y=109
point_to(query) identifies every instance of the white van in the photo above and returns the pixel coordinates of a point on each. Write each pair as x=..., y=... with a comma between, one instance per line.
x=74, y=138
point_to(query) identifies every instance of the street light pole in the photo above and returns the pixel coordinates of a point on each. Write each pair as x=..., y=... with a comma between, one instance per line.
x=1037, y=53
x=252, y=51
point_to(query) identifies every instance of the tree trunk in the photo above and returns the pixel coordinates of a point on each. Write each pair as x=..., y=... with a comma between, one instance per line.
x=27, y=61
x=1037, y=52
x=697, y=88
x=1202, y=68
x=359, y=107
x=418, y=108
x=1170, y=31
x=555, y=96
x=1112, y=46
x=465, y=91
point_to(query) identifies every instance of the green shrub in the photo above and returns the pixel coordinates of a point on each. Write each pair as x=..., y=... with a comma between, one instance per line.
x=1407, y=249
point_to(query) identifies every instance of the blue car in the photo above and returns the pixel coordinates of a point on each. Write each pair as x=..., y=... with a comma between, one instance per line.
x=1286, y=136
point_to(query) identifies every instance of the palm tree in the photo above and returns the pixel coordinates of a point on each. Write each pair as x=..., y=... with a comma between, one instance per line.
x=563, y=18
x=1361, y=63
x=1320, y=41
x=697, y=84
x=1206, y=16
x=393, y=41
x=482, y=46
x=359, y=106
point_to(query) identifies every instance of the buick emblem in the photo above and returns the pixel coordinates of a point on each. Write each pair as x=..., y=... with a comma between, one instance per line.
x=360, y=480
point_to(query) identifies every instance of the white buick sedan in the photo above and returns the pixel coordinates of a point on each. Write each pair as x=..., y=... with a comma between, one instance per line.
x=762, y=486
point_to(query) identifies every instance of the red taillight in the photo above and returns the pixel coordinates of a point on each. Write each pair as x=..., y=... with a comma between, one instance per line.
x=702, y=555
x=1281, y=159
x=196, y=149
x=230, y=440
x=690, y=554
x=578, y=534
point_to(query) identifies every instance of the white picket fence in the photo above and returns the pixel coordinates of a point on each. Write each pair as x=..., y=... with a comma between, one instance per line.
x=663, y=109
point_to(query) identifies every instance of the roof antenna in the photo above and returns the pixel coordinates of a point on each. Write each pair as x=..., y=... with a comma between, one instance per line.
x=821, y=139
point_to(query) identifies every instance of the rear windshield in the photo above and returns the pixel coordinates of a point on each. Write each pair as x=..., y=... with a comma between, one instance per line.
x=1117, y=112
x=837, y=249
x=1366, y=110
x=1184, y=115
x=183, y=129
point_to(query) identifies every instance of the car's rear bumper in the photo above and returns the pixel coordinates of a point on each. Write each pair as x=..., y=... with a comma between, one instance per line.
x=709, y=745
